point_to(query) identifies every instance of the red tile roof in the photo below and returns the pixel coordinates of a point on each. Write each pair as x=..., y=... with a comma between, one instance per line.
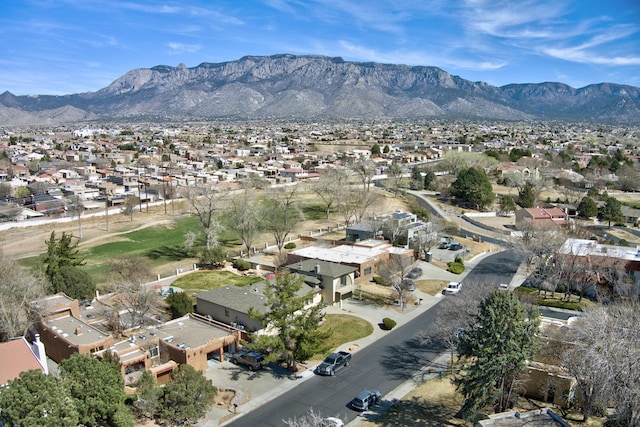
x=15, y=357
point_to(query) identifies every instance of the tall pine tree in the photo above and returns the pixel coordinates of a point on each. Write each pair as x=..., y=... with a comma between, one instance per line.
x=497, y=346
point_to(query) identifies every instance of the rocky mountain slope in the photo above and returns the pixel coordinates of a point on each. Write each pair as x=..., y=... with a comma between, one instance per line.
x=288, y=86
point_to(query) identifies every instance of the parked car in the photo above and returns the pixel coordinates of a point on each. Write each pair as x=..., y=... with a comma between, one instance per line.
x=332, y=422
x=333, y=363
x=365, y=400
x=251, y=359
x=455, y=247
x=408, y=284
x=452, y=288
x=503, y=287
x=414, y=273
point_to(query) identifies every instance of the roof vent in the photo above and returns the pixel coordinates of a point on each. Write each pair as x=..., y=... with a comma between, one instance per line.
x=78, y=331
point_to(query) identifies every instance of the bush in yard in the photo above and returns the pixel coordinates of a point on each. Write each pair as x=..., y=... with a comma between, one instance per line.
x=459, y=260
x=455, y=267
x=241, y=264
x=380, y=281
x=290, y=245
x=388, y=324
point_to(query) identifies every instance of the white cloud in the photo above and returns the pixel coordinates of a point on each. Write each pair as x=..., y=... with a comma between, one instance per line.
x=182, y=47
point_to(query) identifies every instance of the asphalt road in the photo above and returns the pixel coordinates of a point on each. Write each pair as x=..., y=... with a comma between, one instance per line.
x=382, y=366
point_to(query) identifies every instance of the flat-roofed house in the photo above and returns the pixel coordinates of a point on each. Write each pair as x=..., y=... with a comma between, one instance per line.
x=64, y=336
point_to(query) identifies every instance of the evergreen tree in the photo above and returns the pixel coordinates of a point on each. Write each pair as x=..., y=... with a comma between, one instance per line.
x=375, y=151
x=187, y=397
x=386, y=149
x=97, y=388
x=473, y=186
x=527, y=197
x=63, y=268
x=37, y=400
x=417, y=182
x=507, y=204
x=497, y=346
x=179, y=304
x=429, y=179
x=611, y=211
x=587, y=207
x=297, y=336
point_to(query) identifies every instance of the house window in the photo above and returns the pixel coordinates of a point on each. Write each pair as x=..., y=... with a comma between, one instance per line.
x=343, y=281
x=154, y=351
x=226, y=311
x=367, y=271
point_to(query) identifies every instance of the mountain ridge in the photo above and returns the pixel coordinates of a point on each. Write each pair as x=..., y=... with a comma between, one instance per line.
x=314, y=86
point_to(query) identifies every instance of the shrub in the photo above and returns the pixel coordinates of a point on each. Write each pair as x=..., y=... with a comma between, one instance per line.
x=380, y=281
x=290, y=245
x=561, y=288
x=455, y=267
x=459, y=260
x=241, y=264
x=388, y=324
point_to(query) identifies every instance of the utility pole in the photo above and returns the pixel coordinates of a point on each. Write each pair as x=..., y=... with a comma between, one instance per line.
x=79, y=208
x=106, y=211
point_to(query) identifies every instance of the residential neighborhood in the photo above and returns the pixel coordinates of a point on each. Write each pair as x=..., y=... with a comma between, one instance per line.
x=345, y=211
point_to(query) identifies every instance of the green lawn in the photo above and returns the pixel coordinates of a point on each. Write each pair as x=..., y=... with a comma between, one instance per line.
x=205, y=280
x=344, y=328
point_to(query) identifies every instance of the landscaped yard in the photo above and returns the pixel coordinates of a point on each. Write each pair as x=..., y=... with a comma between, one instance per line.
x=344, y=328
x=205, y=280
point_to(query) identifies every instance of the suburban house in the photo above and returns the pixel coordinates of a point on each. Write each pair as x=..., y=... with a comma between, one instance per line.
x=541, y=217
x=18, y=356
x=158, y=349
x=230, y=304
x=623, y=258
x=336, y=280
x=366, y=256
x=397, y=227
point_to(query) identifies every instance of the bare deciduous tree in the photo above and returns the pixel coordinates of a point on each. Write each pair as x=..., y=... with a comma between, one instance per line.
x=366, y=170
x=281, y=213
x=602, y=353
x=18, y=288
x=129, y=276
x=311, y=419
x=244, y=215
x=393, y=271
x=208, y=203
x=330, y=185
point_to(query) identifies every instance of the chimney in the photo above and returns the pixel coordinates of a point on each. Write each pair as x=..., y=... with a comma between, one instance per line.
x=317, y=268
x=78, y=331
x=38, y=349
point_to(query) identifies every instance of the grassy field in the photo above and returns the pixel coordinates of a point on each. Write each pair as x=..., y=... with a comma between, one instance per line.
x=206, y=280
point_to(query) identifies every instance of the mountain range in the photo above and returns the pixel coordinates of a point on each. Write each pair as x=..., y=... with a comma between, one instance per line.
x=317, y=87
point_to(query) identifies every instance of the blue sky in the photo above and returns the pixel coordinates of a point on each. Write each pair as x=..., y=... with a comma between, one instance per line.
x=70, y=46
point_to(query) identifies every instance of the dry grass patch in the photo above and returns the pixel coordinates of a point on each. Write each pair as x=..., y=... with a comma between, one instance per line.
x=431, y=287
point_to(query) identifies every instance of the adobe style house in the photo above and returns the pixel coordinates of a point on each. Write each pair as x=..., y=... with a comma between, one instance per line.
x=18, y=356
x=541, y=217
x=158, y=349
x=230, y=304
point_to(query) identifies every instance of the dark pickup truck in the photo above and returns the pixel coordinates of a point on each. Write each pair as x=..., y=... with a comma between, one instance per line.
x=333, y=363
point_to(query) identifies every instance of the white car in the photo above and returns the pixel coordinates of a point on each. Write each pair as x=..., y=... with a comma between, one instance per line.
x=503, y=286
x=333, y=422
x=452, y=288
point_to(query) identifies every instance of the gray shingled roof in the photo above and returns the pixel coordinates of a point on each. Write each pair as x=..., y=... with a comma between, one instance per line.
x=242, y=298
